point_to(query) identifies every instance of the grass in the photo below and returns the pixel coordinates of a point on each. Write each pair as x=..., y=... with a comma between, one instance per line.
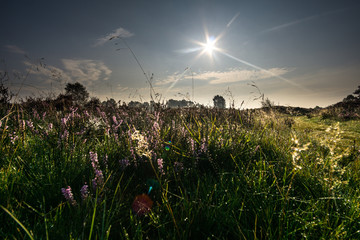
x=213, y=174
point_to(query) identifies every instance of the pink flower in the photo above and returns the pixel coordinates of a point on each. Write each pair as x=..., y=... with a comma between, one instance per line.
x=68, y=195
x=160, y=163
x=84, y=191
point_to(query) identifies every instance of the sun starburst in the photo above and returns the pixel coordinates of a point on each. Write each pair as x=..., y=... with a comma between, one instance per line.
x=210, y=46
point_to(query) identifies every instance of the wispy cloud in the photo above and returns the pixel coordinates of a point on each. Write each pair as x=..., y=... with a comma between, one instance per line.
x=120, y=88
x=229, y=76
x=86, y=70
x=289, y=24
x=14, y=49
x=117, y=33
x=47, y=73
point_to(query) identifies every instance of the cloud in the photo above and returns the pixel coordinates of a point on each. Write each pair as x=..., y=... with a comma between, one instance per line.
x=117, y=33
x=241, y=75
x=121, y=88
x=47, y=73
x=86, y=70
x=14, y=49
x=229, y=76
x=289, y=24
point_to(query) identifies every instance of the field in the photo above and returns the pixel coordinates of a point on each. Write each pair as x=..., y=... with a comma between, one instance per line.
x=198, y=173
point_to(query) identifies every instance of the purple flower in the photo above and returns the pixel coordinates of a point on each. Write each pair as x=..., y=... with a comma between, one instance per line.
x=203, y=147
x=192, y=144
x=84, y=191
x=68, y=195
x=64, y=121
x=99, y=177
x=30, y=124
x=94, y=160
x=13, y=137
x=160, y=163
x=114, y=120
x=98, y=181
x=87, y=114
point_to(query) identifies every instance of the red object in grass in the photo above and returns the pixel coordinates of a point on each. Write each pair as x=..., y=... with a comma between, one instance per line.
x=142, y=204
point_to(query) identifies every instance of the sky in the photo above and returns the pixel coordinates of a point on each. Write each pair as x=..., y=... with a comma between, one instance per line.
x=297, y=53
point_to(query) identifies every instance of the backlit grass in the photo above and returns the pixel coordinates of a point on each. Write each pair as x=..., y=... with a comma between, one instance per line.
x=209, y=173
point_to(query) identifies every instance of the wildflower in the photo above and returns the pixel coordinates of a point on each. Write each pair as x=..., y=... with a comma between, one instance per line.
x=64, y=121
x=86, y=114
x=192, y=144
x=94, y=160
x=13, y=137
x=142, y=204
x=114, y=120
x=99, y=177
x=160, y=163
x=142, y=148
x=203, y=147
x=68, y=195
x=98, y=180
x=84, y=191
x=30, y=124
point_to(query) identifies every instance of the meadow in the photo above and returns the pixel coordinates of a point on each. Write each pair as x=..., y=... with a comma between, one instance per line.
x=199, y=173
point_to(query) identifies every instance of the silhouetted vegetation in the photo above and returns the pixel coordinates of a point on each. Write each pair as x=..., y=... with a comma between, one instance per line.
x=219, y=101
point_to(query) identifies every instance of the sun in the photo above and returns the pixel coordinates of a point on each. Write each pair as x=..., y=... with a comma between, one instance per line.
x=209, y=46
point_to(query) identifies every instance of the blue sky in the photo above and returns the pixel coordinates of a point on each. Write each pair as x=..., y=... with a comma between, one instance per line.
x=303, y=53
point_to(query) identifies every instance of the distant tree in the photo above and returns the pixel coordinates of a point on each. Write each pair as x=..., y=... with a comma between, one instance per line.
x=350, y=98
x=5, y=94
x=93, y=103
x=77, y=91
x=62, y=102
x=110, y=103
x=219, y=101
x=357, y=92
x=171, y=103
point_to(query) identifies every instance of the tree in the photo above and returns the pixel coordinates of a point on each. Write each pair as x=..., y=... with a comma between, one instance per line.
x=350, y=98
x=5, y=95
x=357, y=92
x=77, y=92
x=219, y=101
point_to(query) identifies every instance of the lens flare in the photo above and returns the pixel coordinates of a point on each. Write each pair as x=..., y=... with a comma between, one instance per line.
x=209, y=46
x=142, y=205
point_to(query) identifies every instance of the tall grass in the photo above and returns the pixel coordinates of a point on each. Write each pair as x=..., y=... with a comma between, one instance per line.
x=217, y=174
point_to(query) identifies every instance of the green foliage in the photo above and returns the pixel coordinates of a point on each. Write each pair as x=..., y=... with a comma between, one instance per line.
x=213, y=173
